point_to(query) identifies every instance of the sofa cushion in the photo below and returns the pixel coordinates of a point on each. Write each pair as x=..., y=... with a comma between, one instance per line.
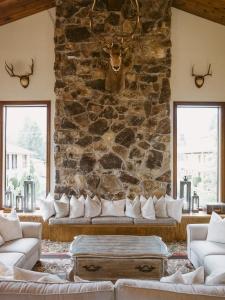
x=10, y=229
x=157, y=221
x=113, y=208
x=205, y=248
x=54, y=221
x=216, y=229
x=25, y=246
x=76, y=207
x=112, y=220
x=12, y=259
x=214, y=262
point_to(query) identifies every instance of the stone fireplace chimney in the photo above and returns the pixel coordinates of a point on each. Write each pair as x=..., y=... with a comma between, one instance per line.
x=112, y=144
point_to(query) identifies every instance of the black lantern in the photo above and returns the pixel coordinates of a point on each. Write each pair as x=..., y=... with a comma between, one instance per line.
x=29, y=195
x=185, y=193
x=19, y=202
x=8, y=203
x=195, y=203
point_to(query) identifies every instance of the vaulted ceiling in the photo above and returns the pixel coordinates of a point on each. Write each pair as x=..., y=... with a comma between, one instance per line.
x=12, y=10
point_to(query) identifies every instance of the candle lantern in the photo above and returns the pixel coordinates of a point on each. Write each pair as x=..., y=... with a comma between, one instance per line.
x=8, y=201
x=29, y=195
x=195, y=202
x=185, y=193
x=19, y=202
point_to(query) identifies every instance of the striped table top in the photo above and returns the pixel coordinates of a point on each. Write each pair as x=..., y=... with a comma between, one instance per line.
x=118, y=246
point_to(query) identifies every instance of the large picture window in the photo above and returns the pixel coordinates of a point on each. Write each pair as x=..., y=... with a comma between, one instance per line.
x=25, y=148
x=199, y=149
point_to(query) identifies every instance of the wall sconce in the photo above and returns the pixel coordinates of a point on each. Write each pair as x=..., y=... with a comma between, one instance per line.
x=24, y=79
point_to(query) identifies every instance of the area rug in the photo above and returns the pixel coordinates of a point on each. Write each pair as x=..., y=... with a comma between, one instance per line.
x=56, y=258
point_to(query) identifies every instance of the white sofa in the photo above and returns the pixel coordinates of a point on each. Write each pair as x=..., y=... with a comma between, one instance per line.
x=21, y=290
x=24, y=252
x=201, y=252
x=127, y=289
x=124, y=289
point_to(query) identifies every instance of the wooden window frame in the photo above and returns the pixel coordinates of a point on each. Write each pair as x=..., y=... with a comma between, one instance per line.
x=48, y=137
x=222, y=144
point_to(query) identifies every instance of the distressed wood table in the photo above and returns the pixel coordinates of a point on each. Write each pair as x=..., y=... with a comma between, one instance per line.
x=110, y=257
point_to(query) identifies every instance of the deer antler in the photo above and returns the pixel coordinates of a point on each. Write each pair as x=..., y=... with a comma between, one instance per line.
x=31, y=68
x=121, y=34
x=208, y=73
x=10, y=70
x=100, y=39
x=137, y=22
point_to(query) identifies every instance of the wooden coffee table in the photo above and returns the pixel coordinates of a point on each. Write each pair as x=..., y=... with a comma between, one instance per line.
x=110, y=257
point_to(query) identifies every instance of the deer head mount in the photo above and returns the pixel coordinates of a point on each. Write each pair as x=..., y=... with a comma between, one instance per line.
x=200, y=79
x=25, y=78
x=116, y=49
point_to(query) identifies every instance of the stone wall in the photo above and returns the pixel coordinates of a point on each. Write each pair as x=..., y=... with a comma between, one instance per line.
x=112, y=144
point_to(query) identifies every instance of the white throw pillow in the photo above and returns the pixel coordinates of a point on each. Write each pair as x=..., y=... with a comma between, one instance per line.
x=174, y=278
x=47, y=207
x=92, y=207
x=62, y=207
x=133, y=208
x=216, y=278
x=77, y=207
x=27, y=275
x=195, y=277
x=147, y=208
x=10, y=229
x=113, y=208
x=160, y=208
x=174, y=208
x=216, y=229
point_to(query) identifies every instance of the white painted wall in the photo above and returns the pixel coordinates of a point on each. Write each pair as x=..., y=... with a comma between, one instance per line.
x=31, y=37
x=200, y=42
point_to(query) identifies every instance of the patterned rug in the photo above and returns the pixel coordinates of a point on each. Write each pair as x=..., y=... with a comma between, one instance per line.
x=56, y=258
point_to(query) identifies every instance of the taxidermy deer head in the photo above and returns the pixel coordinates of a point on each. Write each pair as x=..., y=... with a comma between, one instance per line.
x=24, y=79
x=200, y=79
x=116, y=49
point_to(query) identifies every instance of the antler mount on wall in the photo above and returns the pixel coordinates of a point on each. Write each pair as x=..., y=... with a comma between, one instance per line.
x=200, y=79
x=118, y=45
x=25, y=78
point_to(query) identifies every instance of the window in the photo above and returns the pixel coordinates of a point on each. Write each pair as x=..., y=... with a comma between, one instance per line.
x=24, y=147
x=199, y=149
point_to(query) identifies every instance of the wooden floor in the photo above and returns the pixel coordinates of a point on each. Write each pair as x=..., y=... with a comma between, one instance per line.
x=66, y=233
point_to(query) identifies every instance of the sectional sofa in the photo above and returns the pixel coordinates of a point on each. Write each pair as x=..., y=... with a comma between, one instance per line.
x=24, y=252
x=123, y=290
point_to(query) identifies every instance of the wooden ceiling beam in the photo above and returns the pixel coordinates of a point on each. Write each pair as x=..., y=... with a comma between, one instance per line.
x=213, y=10
x=12, y=10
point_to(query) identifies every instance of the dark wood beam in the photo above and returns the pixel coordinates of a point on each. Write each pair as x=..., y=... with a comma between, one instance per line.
x=213, y=10
x=12, y=10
